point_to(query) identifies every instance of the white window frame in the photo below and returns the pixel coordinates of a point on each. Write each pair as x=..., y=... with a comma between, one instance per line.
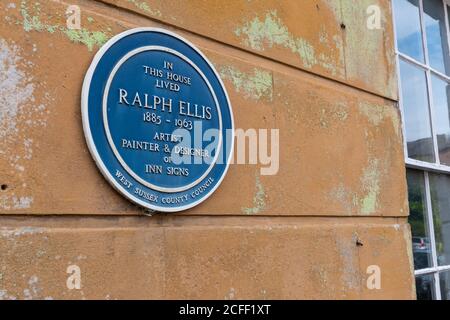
x=423, y=166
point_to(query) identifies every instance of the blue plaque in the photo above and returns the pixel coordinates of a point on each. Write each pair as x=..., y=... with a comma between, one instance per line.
x=157, y=119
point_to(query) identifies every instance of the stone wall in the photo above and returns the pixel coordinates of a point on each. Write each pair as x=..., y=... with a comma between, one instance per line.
x=311, y=69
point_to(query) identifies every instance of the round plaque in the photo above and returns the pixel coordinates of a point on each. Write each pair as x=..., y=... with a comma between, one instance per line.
x=157, y=119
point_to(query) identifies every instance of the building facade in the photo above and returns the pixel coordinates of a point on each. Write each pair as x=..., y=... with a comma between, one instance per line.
x=331, y=222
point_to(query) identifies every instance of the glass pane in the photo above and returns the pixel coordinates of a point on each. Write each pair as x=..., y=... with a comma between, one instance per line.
x=425, y=287
x=418, y=219
x=440, y=202
x=436, y=30
x=415, y=109
x=441, y=95
x=444, y=281
x=407, y=27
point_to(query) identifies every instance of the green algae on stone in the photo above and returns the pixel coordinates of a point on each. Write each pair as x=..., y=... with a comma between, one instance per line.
x=365, y=199
x=143, y=5
x=256, y=85
x=88, y=38
x=369, y=54
x=377, y=113
x=259, y=202
x=370, y=184
x=32, y=22
x=270, y=31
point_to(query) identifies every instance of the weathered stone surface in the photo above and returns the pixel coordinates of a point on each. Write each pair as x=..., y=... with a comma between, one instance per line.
x=327, y=37
x=204, y=258
x=340, y=149
x=336, y=206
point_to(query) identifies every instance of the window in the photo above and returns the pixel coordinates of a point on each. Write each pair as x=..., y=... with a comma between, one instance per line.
x=422, y=47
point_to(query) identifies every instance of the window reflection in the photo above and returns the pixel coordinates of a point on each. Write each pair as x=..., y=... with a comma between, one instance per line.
x=407, y=27
x=441, y=100
x=418, y=219
x=425, y=287
x=428, y=192
x=444, y=282
x=417, y=118
x=436, y=30
x=440, y=199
